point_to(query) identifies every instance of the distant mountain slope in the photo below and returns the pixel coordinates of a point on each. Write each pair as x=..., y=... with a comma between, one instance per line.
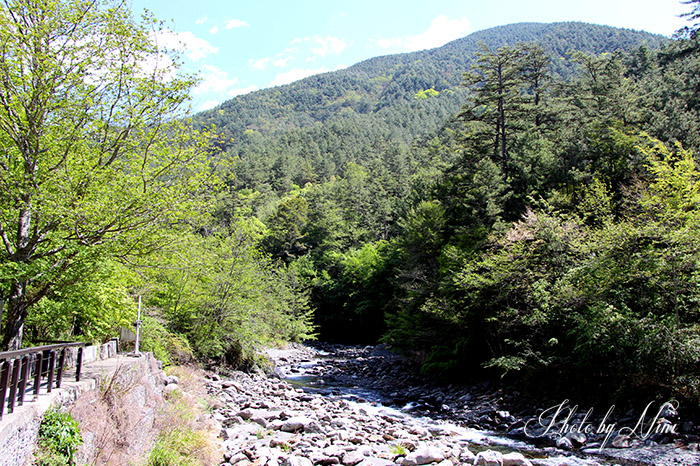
x=310, y=129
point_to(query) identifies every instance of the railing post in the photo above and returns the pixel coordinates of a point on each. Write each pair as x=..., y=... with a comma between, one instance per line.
x=37, y=374
x=79, y=364
x=4, y=376
x=23, y=380
x=45, y=363
x=61, y=361
x=13, y=385
x=52, y=363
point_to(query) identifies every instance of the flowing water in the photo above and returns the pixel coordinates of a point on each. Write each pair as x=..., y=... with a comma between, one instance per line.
x=307, y=375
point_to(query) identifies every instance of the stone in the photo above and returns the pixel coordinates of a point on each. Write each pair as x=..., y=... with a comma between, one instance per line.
x=564, y=443
x=372, y=461
x=297, y=461
x=172, y=379
x=577, y=438
x=488, y=458
x=408, y=444
x=227, y=434
x=424, y=455
x=467, y=456
x=296, y=424
x=258, y=420
x=622, y=441
x=170, y=388
x=314, y=427
x=515, y=459
x=352, y=458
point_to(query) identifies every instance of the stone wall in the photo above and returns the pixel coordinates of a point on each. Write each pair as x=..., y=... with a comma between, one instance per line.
x=118, y=419
x=19, y=430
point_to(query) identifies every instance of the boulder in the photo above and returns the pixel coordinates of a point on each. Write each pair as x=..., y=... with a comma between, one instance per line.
x=488, y=458
x=515, y=459
x=372, y=461
x=296, y=424
x=352, y=458
x=297, y=461
x=564, y=443
x=424, y=455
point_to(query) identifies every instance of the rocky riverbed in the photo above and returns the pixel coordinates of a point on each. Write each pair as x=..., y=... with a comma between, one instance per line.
x=327, y=407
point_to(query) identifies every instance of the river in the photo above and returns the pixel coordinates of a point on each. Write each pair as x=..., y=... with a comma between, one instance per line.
x=329, y=372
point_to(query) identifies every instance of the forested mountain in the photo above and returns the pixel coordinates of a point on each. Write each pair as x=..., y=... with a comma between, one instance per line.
x=309, y=130
x=520, y=203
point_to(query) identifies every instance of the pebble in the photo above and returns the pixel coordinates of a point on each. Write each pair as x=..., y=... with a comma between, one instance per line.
x=265, y=421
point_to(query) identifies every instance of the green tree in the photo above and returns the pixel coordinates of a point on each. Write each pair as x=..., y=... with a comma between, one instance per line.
x=94, y=150
x=495, y=84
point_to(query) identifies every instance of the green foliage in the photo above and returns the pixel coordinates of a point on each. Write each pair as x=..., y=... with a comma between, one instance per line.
x=425, y=93
x=227, y=297
x=59, y=438
x=91, y=310
x=96, y=152
x=175, y=448
x=166, y=346
x=398, y=450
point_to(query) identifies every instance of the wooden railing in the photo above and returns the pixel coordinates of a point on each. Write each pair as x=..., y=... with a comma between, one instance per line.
x=42, y=362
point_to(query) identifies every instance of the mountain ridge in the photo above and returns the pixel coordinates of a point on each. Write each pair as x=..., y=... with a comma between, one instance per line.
x=381, y=101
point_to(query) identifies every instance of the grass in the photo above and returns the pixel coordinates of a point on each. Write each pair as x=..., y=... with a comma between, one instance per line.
x=187, y=437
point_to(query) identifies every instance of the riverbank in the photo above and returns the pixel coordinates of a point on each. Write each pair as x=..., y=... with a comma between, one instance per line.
x=254, y=408
x=268, y=422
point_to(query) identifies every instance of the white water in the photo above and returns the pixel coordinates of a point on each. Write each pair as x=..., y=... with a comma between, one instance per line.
x=371, y=403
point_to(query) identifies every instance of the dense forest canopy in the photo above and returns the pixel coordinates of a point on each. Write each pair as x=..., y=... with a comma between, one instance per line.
x=521, y=203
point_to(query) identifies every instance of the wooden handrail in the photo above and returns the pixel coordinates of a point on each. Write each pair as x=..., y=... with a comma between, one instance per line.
x=38, y=349
x=14, y=376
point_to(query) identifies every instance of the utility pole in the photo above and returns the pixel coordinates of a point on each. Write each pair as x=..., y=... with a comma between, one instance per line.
x=138, y=329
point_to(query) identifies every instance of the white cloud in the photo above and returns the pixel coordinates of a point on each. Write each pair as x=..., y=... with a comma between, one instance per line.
x=195, y=48
x=281, y=62
x=296, y=74
x=214, y=80
x=235, y=23
x=323, y=45
x=214, y=30
x=259, y=64
x=441, y=31
x=201, y=20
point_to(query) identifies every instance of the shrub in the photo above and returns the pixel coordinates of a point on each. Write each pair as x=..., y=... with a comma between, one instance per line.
x=59, y=438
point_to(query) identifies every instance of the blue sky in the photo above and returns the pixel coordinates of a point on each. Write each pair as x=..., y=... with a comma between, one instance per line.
x=238, y=47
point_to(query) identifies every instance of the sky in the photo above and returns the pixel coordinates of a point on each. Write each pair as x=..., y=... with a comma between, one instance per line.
x=237, y=47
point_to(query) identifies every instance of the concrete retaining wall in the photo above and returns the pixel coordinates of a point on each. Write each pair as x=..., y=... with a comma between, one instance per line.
x=19, y=430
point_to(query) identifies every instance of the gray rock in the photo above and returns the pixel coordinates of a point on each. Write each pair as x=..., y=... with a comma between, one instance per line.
x=228, y=434
x=170, y=388
x=233, y=459
x=467, y=456
x=488, y=458
x=577, y=438
x=296, y=424
x=259, y=420
x=172, y=379
x=564, y=443
x=297, y=461
x=314, y=427
x=424, y=455
x=372, y=461
x=352, y=458
x=515, y=459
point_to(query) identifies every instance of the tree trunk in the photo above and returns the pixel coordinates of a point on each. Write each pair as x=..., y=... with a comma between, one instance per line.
x=13, y=328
